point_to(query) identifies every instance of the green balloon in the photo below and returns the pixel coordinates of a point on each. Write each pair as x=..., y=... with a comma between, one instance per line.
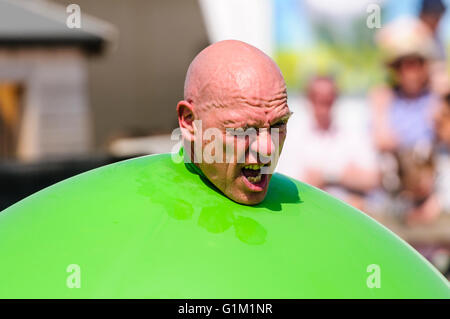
x=153, y=228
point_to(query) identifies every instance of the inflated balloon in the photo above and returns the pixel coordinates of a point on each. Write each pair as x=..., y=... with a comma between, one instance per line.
x=152, y=228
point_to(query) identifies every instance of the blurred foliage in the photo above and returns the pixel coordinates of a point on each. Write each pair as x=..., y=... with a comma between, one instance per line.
x=348, y=54
x=354, y=70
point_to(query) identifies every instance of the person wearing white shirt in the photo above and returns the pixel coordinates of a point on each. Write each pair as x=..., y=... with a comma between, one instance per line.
x=324, y=154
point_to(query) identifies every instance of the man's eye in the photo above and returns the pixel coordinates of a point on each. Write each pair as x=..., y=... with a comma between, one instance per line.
x=236, y=131
x=279, y=124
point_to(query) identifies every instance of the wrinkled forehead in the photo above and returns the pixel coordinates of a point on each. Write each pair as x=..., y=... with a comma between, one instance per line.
x=246, y=86
x=253, y=103
x=264, y=85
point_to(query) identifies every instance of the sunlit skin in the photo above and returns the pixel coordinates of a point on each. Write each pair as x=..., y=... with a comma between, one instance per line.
x=322, y=93
x=232, y=85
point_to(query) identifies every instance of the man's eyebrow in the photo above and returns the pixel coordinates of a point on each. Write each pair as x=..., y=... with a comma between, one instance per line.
x=284, y=118
x=230, y=122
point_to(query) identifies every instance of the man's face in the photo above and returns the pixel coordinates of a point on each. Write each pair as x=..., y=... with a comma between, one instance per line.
x=240, y=177
x=412, y=73
x=322, y=94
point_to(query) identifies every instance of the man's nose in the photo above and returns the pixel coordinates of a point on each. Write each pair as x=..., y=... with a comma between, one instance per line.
x=263, y=144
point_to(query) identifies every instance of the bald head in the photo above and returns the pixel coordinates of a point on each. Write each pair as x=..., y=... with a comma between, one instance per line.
x=230, y=86
x=232, y=69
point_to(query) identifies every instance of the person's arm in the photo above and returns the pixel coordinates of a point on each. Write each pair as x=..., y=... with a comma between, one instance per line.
x=380, y=99
x=426, y=213
x=313, y=177
x=359, y=178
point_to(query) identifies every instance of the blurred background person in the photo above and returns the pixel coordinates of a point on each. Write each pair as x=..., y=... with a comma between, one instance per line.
x=402, y=110
x=442, y=122
x=327, y=155
x=403, y=119
x=431, y=14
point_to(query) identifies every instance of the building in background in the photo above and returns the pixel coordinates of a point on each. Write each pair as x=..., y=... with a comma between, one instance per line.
x=135, y=89
x=66, y=94
x=44, y=102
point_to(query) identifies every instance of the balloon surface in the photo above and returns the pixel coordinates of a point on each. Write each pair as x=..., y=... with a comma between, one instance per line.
x=153, y=228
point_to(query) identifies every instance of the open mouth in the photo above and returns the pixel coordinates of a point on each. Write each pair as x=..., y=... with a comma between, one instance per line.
x=253, y=177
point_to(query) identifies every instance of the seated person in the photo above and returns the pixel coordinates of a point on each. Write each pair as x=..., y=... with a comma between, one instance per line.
x=442, y=123
x=417, y=197
x=327, y=155
x=402, y=110
x=426, y=177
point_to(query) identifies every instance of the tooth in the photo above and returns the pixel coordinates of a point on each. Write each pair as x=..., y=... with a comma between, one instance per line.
x=254, y=179
x=253, y=166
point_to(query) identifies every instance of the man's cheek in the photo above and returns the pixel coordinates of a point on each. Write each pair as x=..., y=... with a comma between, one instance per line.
x=241, y=150
x=234, y=148
x=228, y=149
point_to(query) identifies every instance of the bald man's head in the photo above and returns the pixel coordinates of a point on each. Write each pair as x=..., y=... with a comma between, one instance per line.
x=232, y=69
x=232, y=85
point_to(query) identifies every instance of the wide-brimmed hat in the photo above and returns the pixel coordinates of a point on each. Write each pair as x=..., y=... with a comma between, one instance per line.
x=405, y=37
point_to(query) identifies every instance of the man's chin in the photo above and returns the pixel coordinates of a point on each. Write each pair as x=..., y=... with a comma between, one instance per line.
x=247, y=194
x=248, y=198
x=242, y=193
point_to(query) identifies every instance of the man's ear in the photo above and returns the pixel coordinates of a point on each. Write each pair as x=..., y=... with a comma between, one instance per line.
x=186, y=118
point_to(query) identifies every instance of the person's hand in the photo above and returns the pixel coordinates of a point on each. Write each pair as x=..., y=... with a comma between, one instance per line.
x=426, y=213
x=365, y=180
x=380, y=101
x=314, y=177
x=385, y=140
